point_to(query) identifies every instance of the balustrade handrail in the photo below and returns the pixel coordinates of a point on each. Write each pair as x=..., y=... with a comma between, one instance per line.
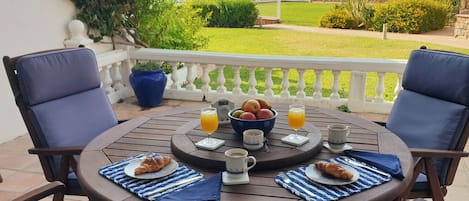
x=273, y=61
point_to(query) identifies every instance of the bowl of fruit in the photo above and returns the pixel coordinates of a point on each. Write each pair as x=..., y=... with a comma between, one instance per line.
x=253, y=114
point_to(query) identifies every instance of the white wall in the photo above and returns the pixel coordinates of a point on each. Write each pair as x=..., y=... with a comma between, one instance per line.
x=27, y=26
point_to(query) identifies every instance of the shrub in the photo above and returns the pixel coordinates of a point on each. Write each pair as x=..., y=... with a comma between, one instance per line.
x=338, y=17
x=228, y=13
x=150, y=23
x=453, y=9
x=356, y=9
x=411, y=16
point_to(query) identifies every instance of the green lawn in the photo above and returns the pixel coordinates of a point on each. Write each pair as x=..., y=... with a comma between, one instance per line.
x=297, y=13
x=295, y=43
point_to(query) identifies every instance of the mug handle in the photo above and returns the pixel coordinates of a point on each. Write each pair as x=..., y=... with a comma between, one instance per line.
x=253, y=162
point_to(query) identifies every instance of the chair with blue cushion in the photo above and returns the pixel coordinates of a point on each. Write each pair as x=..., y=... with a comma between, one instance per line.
x=431, y=116
x=59, y=97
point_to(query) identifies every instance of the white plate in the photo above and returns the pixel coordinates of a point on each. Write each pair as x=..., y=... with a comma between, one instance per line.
x=167, y=170
x=320, y=177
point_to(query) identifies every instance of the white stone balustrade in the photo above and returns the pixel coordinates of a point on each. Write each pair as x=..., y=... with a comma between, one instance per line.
x=115, y=68
x=183, y=87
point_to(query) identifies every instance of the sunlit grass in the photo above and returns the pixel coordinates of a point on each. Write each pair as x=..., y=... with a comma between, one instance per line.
x=297, y=13
x=295, y=43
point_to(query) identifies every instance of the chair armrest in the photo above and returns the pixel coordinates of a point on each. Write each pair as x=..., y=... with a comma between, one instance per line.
x=43, y=191
x=435, y=153
x=72, y=150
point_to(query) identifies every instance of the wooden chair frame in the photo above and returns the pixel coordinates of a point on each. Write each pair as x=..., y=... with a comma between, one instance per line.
x=55, y=188
x=66, y=154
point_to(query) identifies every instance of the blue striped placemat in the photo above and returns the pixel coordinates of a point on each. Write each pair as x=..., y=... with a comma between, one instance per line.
x=115, y=173
x=325, y=192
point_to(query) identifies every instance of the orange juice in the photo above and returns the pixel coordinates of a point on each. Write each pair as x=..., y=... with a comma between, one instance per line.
x=209, y=121
x=296, y=118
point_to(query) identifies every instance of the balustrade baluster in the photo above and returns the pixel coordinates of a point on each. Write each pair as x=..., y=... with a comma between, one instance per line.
x=398, y=87
x=380, y=88
x=285, y=84
x=107, y=80
x=301, y=84
x=190, y=77
x=268, y=83
x=116, y=76
x=237, y=81
x=174, y=76
x=126, y=71
x=252, y=81
x=205, y=79
x=335, y=85
x=221, y=80
x=318, y=85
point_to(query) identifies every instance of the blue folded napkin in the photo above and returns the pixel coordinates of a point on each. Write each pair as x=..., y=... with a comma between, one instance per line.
x=386, y=162
x=208, y=190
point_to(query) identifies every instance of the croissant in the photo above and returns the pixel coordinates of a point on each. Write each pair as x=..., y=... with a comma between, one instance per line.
x=152, y=164
x=334, y=169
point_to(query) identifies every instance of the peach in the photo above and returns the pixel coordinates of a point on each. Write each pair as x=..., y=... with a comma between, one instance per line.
x=251, y=105
x=247, y=116
x=264, y=114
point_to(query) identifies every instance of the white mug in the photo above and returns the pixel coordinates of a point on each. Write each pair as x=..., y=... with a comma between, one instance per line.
x=337, y=136
x=253, y=139
x=237, y=161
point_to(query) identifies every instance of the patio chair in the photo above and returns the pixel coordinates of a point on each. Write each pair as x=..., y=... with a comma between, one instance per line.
x=431, y=116
x=59, y=97
x=55, y=188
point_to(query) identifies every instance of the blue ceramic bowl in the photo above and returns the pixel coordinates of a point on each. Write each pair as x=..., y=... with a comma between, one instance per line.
x=240, y=125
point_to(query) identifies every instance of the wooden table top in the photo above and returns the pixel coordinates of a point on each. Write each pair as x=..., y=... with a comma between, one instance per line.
x=275, y=155
x=153, y=133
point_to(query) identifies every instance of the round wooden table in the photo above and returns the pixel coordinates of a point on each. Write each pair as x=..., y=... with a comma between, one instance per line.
x=154, y=133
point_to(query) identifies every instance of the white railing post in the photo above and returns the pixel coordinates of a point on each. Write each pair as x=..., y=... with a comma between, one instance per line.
x=237, y=81
x=268, y=83
x=285, y=84
x=174, y=76
x=356, y=99
x=335, y=85
x=380, y=88
x=398, y=87
x=107, y=80
x=190, y=77
x=301, y=84
x=221, y=80
x=317, y=85
x=205, y=79
x=116, y=76
x=252, y=81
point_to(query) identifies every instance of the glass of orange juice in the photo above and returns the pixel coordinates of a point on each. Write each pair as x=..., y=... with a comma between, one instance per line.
x=296, y=117
x=209, y=124
x=209, y=121
x=296, y=120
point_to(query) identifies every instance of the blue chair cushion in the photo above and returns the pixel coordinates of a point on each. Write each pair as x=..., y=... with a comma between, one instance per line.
x=73, y=120
x=443, y=75
x=48, y=76
x=421, y=185
x=425, y=122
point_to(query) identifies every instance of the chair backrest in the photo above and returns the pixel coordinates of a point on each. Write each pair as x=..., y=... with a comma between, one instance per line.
x=59, y=96
x=432, y=110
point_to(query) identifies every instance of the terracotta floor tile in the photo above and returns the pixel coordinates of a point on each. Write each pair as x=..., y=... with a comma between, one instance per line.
x=17, y=161
x=8, y=195
x=21, y=181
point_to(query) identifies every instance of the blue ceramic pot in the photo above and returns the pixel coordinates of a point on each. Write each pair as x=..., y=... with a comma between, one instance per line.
x=148, y=86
